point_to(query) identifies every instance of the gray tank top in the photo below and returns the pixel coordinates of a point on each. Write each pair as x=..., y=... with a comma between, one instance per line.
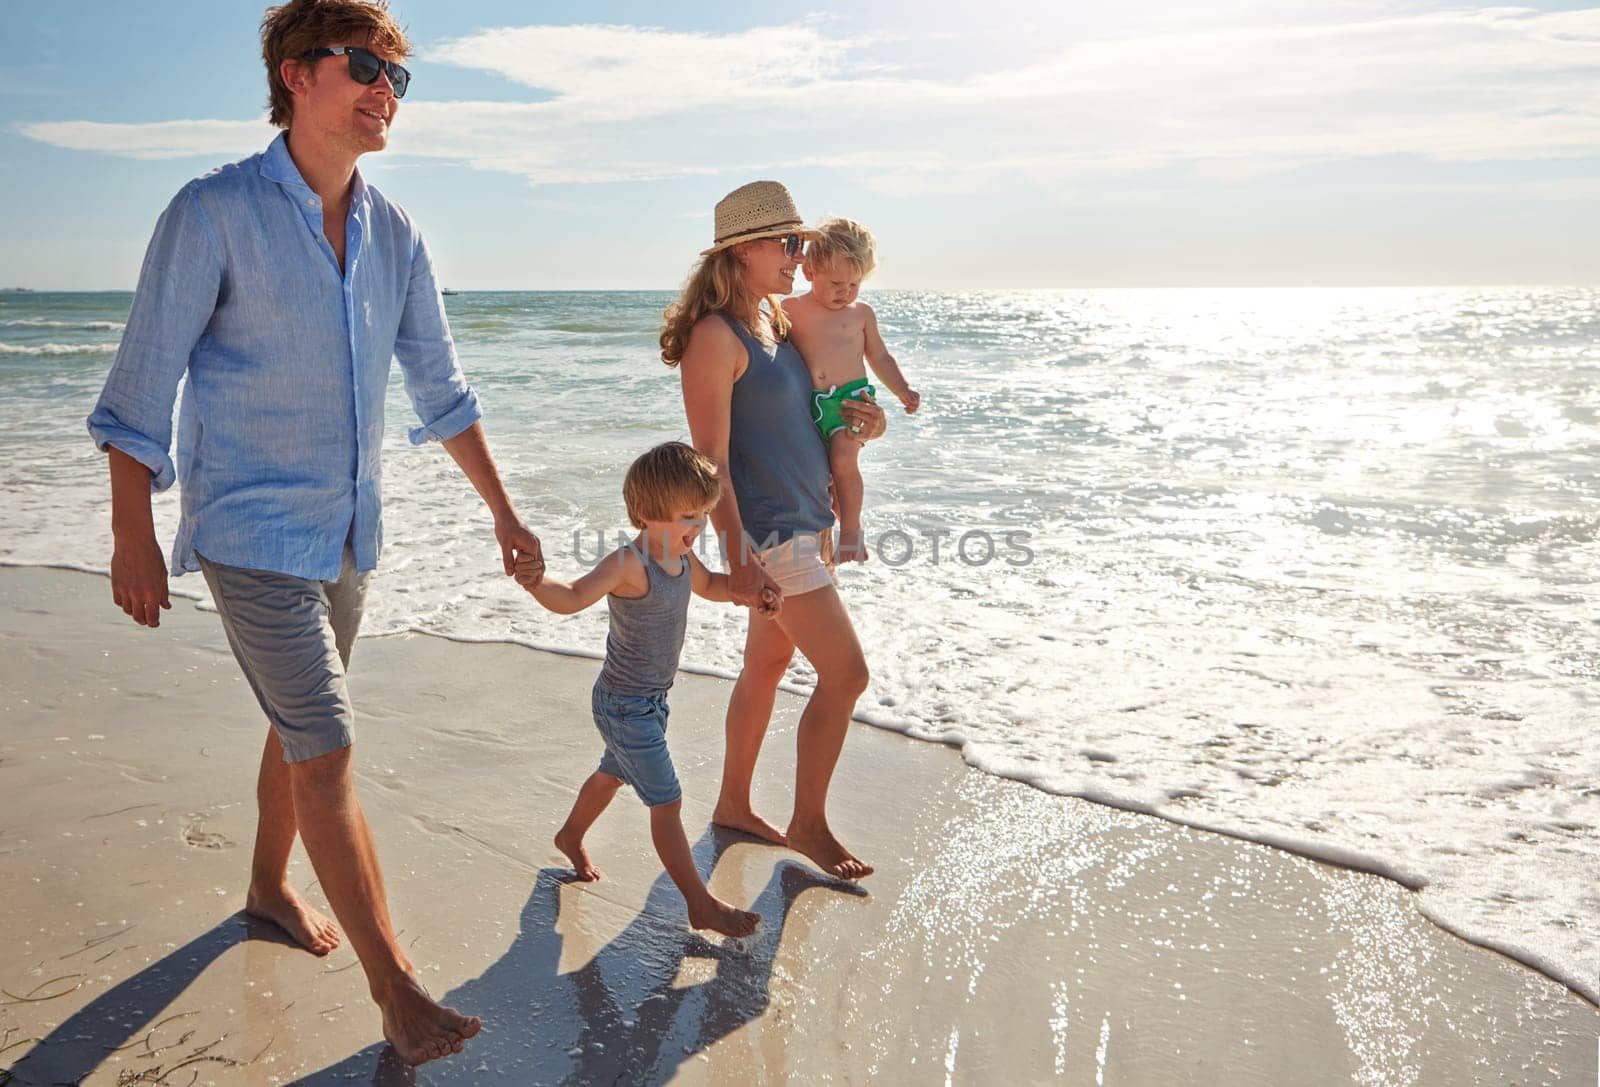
x=778, y=464
x=646, y=636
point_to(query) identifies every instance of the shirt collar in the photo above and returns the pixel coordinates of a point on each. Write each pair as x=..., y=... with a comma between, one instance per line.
x=276, y=165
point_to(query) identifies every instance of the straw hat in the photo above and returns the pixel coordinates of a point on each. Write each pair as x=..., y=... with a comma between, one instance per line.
x=761, y=209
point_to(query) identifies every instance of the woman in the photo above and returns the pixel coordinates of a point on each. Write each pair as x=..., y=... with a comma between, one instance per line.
x=748, y=399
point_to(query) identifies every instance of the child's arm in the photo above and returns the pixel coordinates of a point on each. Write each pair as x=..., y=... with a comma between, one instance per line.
x=883, y=365
x=564, y=599
x=712, y=586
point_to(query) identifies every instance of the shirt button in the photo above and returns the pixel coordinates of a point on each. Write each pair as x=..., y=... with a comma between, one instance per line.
x=312, y=201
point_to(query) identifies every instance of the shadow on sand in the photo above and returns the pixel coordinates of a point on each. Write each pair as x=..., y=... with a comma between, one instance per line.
x=620, y=1018
x=135, y=1009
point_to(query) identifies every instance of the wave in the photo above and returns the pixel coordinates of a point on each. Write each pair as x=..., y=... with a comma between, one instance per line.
x=57, y=349
x=81, y=326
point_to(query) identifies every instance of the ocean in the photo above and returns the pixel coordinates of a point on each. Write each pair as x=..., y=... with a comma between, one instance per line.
x=1314, y=568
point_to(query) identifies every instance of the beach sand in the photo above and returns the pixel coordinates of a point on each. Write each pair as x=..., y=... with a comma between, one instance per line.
x=1007, y=937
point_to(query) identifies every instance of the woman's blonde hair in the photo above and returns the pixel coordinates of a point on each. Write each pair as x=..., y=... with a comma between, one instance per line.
x=668, y=480
x=714, y=284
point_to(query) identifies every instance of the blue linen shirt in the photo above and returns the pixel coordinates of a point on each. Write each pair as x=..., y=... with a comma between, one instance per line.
x=281, y=428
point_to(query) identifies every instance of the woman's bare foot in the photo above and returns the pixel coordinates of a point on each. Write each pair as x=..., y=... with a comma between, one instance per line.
x=824, y=850
x=582, y=866
x=719, y=916
x=420, y=1029
x=749, y=823
x=284, y=907
x=852, y=546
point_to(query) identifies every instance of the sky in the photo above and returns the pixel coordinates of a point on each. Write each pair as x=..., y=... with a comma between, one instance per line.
x=998, y=145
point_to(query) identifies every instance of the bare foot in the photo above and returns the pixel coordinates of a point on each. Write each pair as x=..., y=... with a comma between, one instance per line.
x=824, y=850
x=420, y=1029
x=285, y=908
x=852, y=547
x=749, y=823
x=718, y=916
x=582, y=866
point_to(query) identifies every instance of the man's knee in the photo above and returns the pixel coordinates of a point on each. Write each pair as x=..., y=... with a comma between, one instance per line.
x=326, y=775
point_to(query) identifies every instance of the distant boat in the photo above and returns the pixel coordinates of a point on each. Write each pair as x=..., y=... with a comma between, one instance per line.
x=447, y=290
x=16, y=290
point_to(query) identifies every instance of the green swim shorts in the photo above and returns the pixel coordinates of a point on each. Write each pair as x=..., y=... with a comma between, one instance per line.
x=825, y=406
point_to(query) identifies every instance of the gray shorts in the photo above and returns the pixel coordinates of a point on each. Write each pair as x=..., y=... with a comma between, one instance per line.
x=292, y=637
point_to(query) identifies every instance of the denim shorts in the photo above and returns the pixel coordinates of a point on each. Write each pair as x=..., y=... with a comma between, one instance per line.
x=634, y=727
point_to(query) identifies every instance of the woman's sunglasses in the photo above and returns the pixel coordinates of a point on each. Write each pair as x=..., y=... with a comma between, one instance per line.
x=793, y=245
x=364, y=67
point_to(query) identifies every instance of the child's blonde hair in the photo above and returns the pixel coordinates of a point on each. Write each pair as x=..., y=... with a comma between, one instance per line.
x=667, y=480
x=843, y=240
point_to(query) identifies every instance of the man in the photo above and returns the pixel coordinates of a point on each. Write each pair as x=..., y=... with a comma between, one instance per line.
x=283, y=286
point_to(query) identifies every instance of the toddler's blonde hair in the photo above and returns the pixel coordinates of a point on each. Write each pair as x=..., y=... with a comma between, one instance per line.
x=667, y=480
x=843, y=240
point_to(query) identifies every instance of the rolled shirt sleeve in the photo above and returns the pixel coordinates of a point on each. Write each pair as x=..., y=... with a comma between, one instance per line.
x=439, y=392
x=179, y=284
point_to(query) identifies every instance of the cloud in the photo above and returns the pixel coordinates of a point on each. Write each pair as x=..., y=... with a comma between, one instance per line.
x=156, y=140
x=622, y=103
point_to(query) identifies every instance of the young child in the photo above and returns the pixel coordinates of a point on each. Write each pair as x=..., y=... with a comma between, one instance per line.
x=834, y=334
x=647, y=582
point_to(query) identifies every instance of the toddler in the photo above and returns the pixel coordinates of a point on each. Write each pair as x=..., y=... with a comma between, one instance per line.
x=838, y=338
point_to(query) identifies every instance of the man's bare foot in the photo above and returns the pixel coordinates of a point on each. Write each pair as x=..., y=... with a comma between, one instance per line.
x=824, y=850
x=718, y=916
x=582, y=867
x=420, y=1029
x=284, y=907
x=749, y=823
x=852, y=547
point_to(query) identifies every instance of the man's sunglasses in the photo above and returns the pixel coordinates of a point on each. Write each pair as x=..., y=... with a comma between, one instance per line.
x=364, y=67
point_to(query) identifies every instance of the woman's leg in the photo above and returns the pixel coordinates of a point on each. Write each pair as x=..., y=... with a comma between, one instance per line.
x=767, y=652
x=818, y=625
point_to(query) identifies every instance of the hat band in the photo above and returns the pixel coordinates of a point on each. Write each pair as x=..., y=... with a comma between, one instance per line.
x=754, y=232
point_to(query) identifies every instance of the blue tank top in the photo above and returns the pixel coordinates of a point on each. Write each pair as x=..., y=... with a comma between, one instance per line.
x=646, y=636
x=778, y=464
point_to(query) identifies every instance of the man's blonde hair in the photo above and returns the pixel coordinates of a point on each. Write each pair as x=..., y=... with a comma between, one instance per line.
x=668, y=480
x=843, y=241
x=290, y=31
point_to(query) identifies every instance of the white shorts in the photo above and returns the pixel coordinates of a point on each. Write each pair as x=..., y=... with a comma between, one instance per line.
x=801, y=564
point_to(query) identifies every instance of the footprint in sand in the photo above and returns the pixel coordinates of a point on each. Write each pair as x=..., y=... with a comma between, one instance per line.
x=199, y=838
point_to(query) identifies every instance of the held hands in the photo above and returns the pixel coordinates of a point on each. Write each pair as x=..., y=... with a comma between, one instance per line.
x=139, y=581
x=771, y=602
x=529, y=570
x=517, y=542
x=750, y=587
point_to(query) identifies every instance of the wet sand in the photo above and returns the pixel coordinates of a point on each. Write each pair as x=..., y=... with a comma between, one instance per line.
x=1007, y=937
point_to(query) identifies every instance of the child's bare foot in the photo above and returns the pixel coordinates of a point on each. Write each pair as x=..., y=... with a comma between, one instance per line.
x=284, y=907
x=852, y=548
x=749, y=823
x=420, y=1029
x=718, y=916
x=579, y=856
x=825, y=851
